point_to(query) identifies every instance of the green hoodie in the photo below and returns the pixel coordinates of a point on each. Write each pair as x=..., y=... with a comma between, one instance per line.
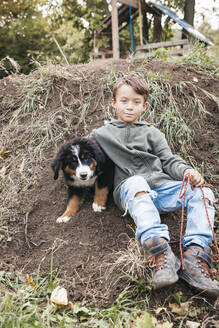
x=139, y=149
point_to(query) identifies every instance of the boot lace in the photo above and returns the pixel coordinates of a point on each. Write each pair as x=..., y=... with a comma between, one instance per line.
x=158, y=261
x=204, y=268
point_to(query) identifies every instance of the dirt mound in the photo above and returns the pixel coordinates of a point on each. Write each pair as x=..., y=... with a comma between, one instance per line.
x=38, y=113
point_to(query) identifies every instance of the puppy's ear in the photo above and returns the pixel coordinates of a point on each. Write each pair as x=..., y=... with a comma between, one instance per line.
x=56, y=166
x=98, y=154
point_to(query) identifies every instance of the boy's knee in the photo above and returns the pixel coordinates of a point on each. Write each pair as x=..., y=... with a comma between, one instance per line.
x=207, y=195
x=207, y=201
x=137, y=179
x=135, y=185
x=140, y=193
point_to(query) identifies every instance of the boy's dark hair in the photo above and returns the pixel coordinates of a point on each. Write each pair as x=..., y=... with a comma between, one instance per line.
x=138, y=84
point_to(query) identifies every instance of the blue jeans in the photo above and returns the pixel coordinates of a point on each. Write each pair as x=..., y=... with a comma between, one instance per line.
x=145, y=210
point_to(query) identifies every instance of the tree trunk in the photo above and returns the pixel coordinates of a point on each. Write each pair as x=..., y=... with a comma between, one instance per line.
x=146, y=26
x=189, y=13
x=157, y=32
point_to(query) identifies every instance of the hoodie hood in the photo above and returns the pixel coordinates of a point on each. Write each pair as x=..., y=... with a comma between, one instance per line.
x=121, y=124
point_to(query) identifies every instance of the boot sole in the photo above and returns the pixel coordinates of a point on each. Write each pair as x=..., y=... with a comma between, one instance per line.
x=165, y=284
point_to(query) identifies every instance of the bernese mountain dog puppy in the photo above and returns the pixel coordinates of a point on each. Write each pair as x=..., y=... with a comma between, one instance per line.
x=84, y=164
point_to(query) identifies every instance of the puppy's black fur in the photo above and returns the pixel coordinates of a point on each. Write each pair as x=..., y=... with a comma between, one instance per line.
x=84, y=164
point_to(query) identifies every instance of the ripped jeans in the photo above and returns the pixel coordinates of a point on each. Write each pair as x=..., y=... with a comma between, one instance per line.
x=145, y=210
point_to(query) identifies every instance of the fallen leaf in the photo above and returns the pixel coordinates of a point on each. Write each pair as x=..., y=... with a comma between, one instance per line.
x=2, y=237
x=3, y=172
x=30, y=281
x=159, y=309
x=166, y=324
x=192, y=324
x=3, y=154
x=59, y=296
x=71, y=305
x=144, y=321
x=182, y=309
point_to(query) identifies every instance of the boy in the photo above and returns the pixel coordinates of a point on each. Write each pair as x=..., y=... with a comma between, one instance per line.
x=147, y=180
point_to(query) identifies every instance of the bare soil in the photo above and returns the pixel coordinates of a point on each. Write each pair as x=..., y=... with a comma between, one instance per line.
x=81, y=246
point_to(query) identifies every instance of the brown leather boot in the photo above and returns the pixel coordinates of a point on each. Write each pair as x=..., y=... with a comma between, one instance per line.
x=197, y=262
x=166, y=264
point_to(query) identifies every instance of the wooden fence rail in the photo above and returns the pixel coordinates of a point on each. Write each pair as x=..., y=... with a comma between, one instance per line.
x=183, y=46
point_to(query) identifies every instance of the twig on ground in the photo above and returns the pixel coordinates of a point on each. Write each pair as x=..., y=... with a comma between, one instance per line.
x=25, y=229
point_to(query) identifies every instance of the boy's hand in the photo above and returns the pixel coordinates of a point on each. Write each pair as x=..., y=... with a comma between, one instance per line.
x=196, y=178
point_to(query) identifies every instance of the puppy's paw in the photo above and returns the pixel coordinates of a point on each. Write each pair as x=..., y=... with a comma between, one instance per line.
x=98, y=208
x=62, y=219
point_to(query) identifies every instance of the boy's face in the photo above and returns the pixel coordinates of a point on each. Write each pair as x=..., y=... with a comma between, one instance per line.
x=129, y=105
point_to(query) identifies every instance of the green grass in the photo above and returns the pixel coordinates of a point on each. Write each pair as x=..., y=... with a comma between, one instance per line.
x=198, y=56
x=22, y=305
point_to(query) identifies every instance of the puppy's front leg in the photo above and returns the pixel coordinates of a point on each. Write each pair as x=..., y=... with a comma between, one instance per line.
x=100, y=198
x=72, y=207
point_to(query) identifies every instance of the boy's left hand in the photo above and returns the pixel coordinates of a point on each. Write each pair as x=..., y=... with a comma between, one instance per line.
x=196, y=178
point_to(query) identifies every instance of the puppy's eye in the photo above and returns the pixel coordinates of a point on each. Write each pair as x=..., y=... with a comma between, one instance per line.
x=82, y=156
x=74, y=159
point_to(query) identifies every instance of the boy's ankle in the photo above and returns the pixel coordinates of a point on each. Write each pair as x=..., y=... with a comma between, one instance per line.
x=165, y=264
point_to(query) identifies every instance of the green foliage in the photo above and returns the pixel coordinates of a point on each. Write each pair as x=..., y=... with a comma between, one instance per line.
x=175, y=127
x=26, y=34
x=85, y=17
x=213, y=35
x=175, y=4
x=25, y=30
x=72, y=43
x=91, y=12
x=11, y=9
x=167, y=32
x=164, y=110
x=161, y=53
x=198, y=56
x=25, y=38
x=103, y=42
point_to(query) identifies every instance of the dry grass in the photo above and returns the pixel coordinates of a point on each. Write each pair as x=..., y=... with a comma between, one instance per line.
x=129, y=265
x=8, y=64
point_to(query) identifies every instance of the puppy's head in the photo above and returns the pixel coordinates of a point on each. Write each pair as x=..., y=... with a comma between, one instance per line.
x=79, y=159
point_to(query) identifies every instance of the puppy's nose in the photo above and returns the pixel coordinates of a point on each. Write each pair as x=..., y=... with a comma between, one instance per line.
x=83, y=175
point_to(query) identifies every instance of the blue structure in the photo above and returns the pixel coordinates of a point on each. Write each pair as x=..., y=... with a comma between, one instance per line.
x=189, y=28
